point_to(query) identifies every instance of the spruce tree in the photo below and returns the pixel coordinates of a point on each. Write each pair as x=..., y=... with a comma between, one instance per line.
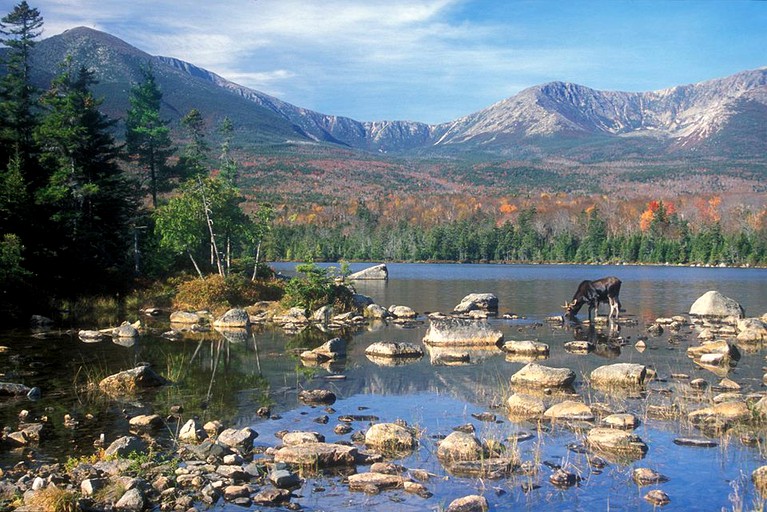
x=147, y=135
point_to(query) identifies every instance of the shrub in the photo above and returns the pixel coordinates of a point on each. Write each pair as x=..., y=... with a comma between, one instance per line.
x=316, y=287
x=219, y=294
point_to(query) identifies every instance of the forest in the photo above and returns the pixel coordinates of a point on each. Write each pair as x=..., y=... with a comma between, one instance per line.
x=93, y=206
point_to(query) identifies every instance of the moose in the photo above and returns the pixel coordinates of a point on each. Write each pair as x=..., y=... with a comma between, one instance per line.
x=594, y=293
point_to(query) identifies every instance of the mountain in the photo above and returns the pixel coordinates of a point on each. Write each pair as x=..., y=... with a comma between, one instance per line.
x=724, y=117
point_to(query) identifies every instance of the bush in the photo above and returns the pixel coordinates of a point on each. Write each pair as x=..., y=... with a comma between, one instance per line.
x=316, y=288
x=219, y=294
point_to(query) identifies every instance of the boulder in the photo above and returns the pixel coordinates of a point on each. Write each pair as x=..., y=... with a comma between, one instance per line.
x=478, y=301
x=526, y=347
x=331, y=350
x=241, y=439
x=525, y=405
x=616, y=442
x=461, y=332
x=569, y=410
x=621, y=420
x=390, y=437
x=721, y=347
x=472, y=503
x=539, y=376
x=619, y=375
x=402, y=312
x=460, y=446
x=146, y=422
x=361, y=301
x=191, y=432
x=714, y=304
x=13, y=389
x=126, y=330
x=317, y=396
x=393, y=349
x=376, y=312
x=317, y=455
x=131, y=381
x=234, y=318
x=124, y=446
x=377, y=272
x=133, y=500
x=752, y=330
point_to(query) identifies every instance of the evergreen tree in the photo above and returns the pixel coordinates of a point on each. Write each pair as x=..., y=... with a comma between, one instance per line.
x=195, y=154
x=147, y=135
x=18, y=31
x=229, y=170
x=87, y=197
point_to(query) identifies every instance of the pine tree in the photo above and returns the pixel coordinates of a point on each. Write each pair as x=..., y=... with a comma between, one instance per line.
x=147, y=135
x=87, y=197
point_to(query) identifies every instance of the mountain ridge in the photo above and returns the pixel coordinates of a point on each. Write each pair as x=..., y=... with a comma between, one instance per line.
x=712, y=117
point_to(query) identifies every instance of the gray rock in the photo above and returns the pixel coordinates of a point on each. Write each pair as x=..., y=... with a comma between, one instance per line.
x=185, y=317
x=478, y=301
x=390, y=437
x=239, y=439
x=233, y=318
x=460, y=332
x=191, y=432
x=525, y=405
x=460, y=446
x=378, y=272
x=13, y=389
x=752, y=330
x=393, y=349
x=317, y=455
x=616, y=442
x=91, y=336
x=90, y=486
x=124, y=446
x=714, y=304
x=569, y=410
x=132, y=500
x=376, y=311
x=284, y=479
x=375, y=482
x=526, y=347
x=361, y=301
x=126, y=330
x=296, y=438
x=317, y=396
x=331, y=350
x=402, y=312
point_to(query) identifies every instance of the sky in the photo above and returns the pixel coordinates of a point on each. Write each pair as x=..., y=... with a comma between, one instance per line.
x=432, y=61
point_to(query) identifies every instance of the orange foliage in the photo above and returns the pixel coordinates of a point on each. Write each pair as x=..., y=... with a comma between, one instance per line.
x=508, y=208
x=646, y=219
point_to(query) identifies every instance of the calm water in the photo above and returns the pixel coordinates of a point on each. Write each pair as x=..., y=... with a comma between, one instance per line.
x=230, y=380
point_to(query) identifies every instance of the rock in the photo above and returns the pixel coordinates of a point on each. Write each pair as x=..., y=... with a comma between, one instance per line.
x=272, y=497
x=331, y=350
x=696, y=442
x=402, y=312
x=126, y=330
x=234, y=318
x=616, y=442
x=569, y=410
x=390, y=437
x=133, y=500
x=657, y=497
x=539, y=376
x=393, y=349
x=526, y=347
x=146, y=421
x=284, y=479
x=579, y=347
x=375, y=482
x=377, y=272
x=186, y=317
x=239, y=439
x=233, y=492
x=317, y=396
x=472, y=503
x=213, y=428
x=232, y=472
x=460, y=332
x=294, y=316
x=714, y=304
x=647, y=476
x=722, y=347
x=296, y=438
x=460, y=446
x=525, y=405
x=477, y=301
x=730, y=411
x=124, y=446
x=487, y=468
x=40, y=321
x=317, y=455
x=759, y=477
x=323, y=315
x=190, y=432
x=619, y=375
x=621, y=420
x=131, y=381
x=13, y=389
x=376, y=312
x=751, y=330
x=90, y=336
x=91, y=486
x=563, y=479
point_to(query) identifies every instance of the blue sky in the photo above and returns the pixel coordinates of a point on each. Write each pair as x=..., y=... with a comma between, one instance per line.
x=432, y=60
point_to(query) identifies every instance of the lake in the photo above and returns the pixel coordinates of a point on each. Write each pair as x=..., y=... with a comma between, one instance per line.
x=219, y=379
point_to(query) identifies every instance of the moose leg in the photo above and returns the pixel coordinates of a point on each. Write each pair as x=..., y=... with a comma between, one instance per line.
x=615, y=307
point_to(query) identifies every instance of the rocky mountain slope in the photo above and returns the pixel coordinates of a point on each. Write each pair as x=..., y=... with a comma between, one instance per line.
x=722, y=117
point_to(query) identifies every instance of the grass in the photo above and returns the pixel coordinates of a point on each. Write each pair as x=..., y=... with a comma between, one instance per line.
x=53, y=499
